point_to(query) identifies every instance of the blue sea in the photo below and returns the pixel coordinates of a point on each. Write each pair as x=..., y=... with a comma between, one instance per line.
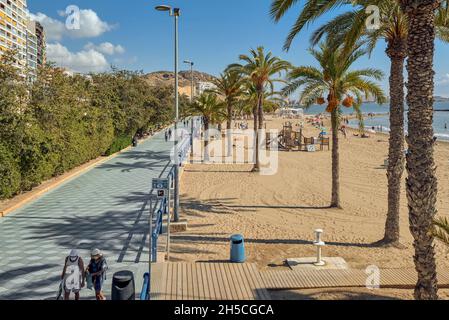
x=441, y=119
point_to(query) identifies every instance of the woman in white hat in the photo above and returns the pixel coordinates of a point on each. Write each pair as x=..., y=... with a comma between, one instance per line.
x=97, y=270
x=73, y=275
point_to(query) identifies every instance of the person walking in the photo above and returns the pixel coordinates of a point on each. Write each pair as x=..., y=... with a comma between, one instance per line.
x=73, y=275
x=97, y=270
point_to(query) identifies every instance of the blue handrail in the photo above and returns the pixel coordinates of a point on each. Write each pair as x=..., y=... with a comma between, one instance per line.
x=145, y=288
x=163, y=208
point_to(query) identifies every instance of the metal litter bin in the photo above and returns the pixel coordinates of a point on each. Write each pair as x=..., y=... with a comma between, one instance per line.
x=238, y=249
x=123, y=286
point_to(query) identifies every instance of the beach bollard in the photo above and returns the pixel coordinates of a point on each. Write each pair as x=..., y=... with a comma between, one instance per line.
x=319, y=244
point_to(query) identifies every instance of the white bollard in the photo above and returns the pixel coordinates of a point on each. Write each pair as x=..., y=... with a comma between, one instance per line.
x=319, y=244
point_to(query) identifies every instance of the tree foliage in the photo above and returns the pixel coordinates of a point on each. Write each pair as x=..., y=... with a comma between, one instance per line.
x=61, y=121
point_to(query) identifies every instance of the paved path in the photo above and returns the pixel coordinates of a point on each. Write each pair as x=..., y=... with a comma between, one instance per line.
x=105, y=207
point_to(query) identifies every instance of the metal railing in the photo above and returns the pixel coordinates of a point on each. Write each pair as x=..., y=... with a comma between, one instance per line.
x=163, y=207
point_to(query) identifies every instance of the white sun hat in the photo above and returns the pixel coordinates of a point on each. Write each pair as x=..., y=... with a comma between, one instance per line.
x=73, y=253
x=95, y=252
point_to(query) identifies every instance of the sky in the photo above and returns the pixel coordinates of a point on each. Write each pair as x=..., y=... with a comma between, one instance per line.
x=132, y=35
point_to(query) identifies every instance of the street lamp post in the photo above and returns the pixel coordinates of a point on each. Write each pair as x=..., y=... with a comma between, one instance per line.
x=191, y=101
x=190, y=63
x=175, y=12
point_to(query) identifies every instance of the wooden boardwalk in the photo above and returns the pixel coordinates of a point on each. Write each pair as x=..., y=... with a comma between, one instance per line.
x=319, y=279
x=207, y=281
x=226, y=281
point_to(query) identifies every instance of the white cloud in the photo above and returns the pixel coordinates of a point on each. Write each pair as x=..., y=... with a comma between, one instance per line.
x=106, y=48
x=84, y=61
x=90, y=26
x=54, y=29
x=443, y=80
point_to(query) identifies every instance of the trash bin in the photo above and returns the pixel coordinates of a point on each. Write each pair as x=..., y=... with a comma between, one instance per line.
x=123, y=286
x=237, y=249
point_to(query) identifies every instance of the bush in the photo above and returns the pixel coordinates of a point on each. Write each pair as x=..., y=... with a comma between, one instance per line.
x=60, y=122
x=9, y=174
x=119, y=144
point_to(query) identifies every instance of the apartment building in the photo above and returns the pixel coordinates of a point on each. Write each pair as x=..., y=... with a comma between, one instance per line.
x=18, y=33
x=13, y=29
x=41, y=44
x=204, y=86
x=31, y=50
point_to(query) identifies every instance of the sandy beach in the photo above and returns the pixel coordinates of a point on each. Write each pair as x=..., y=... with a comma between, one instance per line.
x=277, y=214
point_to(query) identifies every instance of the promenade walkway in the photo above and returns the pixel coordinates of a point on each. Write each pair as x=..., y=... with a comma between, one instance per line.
x=106, y=208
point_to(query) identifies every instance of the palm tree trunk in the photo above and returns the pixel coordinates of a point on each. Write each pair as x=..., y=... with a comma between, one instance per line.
x=206, y=139
x=397, y=53
x=260, y=108
x=422, y=181
x=229, y=130
x=256, y=137
x=335, y=203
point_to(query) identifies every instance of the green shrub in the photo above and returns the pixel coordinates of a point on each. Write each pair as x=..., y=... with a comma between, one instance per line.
x=120, y=143
x=60, y=122
x=9, y=174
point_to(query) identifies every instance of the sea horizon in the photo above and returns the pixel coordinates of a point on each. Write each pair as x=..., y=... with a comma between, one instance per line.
x=381, y=120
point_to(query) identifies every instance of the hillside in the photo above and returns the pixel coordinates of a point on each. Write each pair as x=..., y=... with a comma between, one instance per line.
x=162, y=78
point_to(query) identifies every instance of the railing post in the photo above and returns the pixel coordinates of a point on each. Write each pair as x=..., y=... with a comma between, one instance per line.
x=170, y=177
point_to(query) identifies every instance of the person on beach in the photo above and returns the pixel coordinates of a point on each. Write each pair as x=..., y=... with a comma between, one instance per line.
x=97, y=270
x=73, y=275
x=343, y=130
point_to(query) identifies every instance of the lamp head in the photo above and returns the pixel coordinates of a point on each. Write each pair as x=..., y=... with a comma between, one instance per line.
x=163, y=8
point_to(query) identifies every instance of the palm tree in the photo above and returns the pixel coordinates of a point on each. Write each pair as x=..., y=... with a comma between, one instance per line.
x=349, y=27
x=440, y=230
x=442, y=21
x=334, y=79
x=423, y=26
x=229, y=86
x=212, y=110
x=422, y=184
x=249, y=98
x=259, y=71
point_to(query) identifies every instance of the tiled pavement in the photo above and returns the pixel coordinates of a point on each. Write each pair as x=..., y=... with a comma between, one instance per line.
x=106, y=207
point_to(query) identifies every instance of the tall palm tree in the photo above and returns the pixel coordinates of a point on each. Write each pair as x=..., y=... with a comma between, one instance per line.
x=212, y=110
x=335, y=80
x=229, y=87
x=259, y=70
x=422, y=184
x=349, y=27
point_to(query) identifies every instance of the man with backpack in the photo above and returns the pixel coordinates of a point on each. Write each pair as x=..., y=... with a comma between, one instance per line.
x=97, y=270
x=73, y=275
